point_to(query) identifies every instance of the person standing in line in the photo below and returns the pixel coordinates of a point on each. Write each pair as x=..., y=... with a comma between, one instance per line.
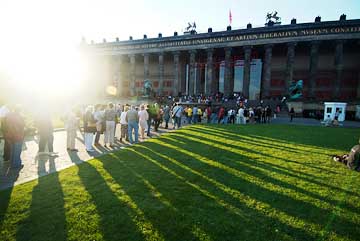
x=167, y=116
x=4, y=111
x=195, y=114
x=208, y=113
x=71, y=126
x=143, y=118
x=221, y=114
x=110, y=118
x=99, y=116
x=268, y=114
x=157, y=116
x=89, y=128
x=132, y=119
x=189, y=114
x=118, y=110
x=199, y=114
x=124, y=125
x=46, y=136
x=242, y=116
x=149, y=120
x=232, y=116
x=14, y=126
x=177, y=112
x=292, y=114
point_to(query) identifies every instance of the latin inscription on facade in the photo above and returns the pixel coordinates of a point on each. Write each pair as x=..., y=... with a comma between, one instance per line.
x=236, y=38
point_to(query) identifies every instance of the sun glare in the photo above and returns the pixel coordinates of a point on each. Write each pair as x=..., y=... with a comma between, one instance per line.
x=52, y=73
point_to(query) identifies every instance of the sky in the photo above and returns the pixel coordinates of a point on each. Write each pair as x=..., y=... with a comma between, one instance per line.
x=39, y=37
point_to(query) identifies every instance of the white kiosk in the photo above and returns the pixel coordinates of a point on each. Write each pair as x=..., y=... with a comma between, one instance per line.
x=330, y=108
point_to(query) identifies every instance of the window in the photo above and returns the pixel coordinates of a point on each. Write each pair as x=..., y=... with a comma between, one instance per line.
x=328, y=110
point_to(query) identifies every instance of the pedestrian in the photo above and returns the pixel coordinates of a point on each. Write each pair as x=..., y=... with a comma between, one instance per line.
x=292, y=114
x=110, y=119
x=195, y=114
x=148, y=132
x=124, y=125
x=189, y=114
x=268, y=114
x=132, y=119
x=14, y=126
x=4, y=111
x=71, y=126
x=46, y=137
x=199, y=114
x=176, y=114
x=99, y=116
x=143, y=118
x=241, y=116
x=166, y=116
x=221, y=115
x=89, y=128
x=208, y=113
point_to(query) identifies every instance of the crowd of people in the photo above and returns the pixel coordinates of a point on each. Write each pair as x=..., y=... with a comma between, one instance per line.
x=134, y=121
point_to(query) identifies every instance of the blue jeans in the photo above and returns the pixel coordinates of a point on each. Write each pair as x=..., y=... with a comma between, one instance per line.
x=189, y=119
x=177, y=122
x=214, y=118
x=133, y=125
x=195, y=118
x=16, y=149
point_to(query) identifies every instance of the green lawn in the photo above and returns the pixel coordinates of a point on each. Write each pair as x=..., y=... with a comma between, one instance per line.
x=202, y=182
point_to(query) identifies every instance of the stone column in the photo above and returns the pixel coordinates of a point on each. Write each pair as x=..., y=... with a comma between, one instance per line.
x=314, y=57
x=210, y=87
x=132, y=75
x=161, y=73
x=267, y=72
x=146, y=66
x=176, y=84
x=247, y=62
x=339, y=65
x=192, y=71
x=228, y=84
x=120, y=78
x=289, y=66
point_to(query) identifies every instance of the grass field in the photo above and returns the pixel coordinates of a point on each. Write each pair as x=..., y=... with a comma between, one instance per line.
x=202, y=182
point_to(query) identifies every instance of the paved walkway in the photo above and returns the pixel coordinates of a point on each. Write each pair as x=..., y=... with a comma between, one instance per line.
x=35, y=167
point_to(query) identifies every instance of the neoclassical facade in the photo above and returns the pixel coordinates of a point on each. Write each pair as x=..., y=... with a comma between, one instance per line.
x=258, y=62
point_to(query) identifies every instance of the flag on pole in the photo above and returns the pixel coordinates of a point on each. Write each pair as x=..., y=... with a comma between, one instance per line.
x=230, y=17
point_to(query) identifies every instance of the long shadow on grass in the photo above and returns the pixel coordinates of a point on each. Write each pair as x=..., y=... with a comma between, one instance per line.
x=242, y=164
x=212, y=134
x=272, y=166
x=305, y=135
x=146, y=192
x=115, y=221
x=47, y=215
x=258, y=141
x=192, y=200
x=267, y=154
x=245, y=165
x=297, y=208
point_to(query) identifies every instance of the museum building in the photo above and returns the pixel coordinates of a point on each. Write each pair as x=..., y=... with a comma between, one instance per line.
x=259, y=63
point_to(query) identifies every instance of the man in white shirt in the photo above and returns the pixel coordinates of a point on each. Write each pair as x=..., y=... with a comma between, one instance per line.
x=124, y=124
x=241, y=116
